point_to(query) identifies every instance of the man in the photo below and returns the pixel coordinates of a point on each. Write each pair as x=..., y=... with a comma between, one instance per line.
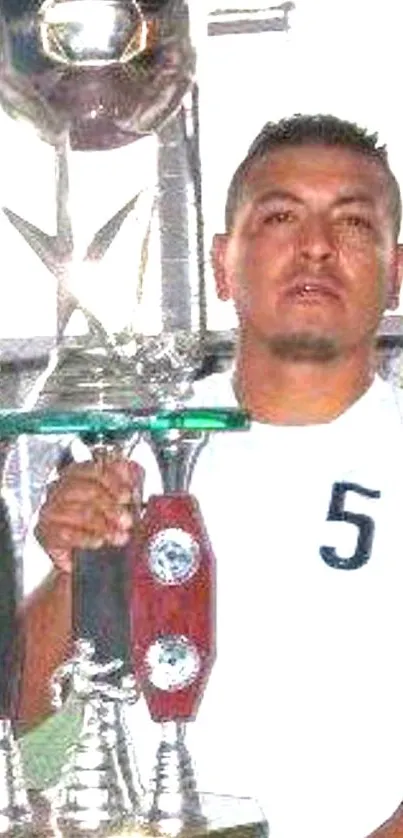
x=303, y=710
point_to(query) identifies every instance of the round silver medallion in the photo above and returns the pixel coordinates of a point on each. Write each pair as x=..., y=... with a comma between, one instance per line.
x=173, y=662
x=174, y=556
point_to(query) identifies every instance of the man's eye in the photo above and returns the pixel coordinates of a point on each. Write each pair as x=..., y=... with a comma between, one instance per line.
x=357, y=221
x=279, y=217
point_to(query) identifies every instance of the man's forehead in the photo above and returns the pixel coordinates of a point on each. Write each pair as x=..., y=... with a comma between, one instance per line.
x=315, y=166
x=338, y=168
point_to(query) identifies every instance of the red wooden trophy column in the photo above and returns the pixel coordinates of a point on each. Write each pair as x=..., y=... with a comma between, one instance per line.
x=172, y=607
x=173, y=631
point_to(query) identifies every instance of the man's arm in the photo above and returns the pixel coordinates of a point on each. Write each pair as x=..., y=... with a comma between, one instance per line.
x=392, y=828
x=44, y=620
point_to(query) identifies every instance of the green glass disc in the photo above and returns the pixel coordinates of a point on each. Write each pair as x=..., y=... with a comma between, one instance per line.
x=119, y=423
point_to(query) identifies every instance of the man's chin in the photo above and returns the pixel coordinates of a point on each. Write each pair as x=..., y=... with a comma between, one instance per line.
x=304, y=347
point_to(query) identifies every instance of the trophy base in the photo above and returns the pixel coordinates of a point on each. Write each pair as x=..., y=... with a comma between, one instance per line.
x=223, y=817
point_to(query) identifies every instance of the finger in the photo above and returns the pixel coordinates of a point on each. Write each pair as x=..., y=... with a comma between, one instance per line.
x=59, y=534
x=60, y=538
x=60, y=547
x=91, y=477
x=120, y=479
x=81, y=520
x=129, y=477
x=81, y=496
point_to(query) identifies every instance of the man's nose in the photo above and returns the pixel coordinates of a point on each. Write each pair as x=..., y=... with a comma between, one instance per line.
x=316, y=241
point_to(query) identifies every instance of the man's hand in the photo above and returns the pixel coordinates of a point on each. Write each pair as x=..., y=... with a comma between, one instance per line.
x=91, y=504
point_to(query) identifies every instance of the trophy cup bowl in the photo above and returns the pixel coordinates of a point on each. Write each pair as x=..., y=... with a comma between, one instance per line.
x=105, y=71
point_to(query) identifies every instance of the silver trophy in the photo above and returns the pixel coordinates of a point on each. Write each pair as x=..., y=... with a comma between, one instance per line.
x=91, y=75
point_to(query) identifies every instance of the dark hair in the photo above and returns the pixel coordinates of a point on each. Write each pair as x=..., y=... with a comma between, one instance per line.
x=319, y=129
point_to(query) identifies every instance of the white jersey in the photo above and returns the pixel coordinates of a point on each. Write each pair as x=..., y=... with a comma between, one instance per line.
x=304, y=707
x=303, y=710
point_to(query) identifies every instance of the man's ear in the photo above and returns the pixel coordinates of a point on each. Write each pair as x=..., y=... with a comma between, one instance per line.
x=218, y=262
x=395, y=279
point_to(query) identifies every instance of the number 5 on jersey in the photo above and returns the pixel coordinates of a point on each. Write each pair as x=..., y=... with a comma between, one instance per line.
x=365, y=527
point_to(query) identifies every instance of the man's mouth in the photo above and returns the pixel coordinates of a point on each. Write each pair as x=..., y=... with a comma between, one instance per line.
x=312, y=289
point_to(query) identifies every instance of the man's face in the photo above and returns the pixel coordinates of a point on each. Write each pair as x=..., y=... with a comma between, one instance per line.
x=311, y=262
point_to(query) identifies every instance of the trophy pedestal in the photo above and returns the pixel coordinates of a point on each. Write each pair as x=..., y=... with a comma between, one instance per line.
x=225, y=817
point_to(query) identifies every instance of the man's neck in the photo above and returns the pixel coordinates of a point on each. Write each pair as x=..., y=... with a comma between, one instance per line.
x=296, y=393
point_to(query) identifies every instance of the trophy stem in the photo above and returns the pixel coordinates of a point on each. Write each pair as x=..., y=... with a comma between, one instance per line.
x=90, y=795
x=100, y=786
x=131, y=783
x=176, y=453
x=175, y=802
x=15, y=810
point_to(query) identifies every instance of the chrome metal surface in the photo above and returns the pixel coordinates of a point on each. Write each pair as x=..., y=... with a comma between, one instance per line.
x=100, y=787
x=106, y=71
x=86, y=33
x=15, y=810
x=175, y=803
x=176, y=453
